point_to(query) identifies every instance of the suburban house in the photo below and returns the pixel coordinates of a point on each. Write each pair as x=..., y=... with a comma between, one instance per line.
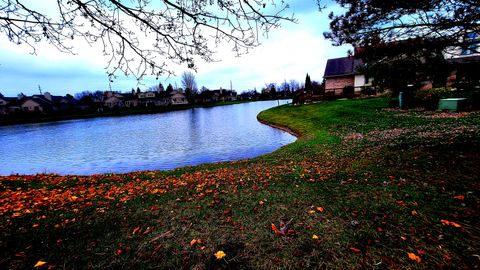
x=208, y=96
x=342, y=73
x=178, y=98
x=114, y=102
x=6, y=104
x=144, y=99
x=130, y=100
x=465, y=61
x=44, y=103
x=36, y=104
x=48, y=103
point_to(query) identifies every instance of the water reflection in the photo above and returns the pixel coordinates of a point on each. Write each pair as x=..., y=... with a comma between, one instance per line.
x=140, y=142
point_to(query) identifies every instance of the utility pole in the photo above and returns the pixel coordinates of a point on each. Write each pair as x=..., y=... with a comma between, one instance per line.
x=40, y=89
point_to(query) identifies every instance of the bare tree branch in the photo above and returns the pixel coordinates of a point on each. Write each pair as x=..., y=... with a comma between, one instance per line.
x=143, y=37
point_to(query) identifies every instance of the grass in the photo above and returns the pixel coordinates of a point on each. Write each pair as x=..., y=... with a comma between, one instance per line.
x=378, y=188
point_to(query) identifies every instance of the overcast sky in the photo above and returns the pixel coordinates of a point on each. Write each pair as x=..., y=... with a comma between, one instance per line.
x=288, y=53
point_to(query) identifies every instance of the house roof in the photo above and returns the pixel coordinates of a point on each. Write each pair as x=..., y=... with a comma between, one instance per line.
x=39, y=100
x=12, y=101
x=129, y=96
x=342, y=66
x=464, y=60
x=163, y=94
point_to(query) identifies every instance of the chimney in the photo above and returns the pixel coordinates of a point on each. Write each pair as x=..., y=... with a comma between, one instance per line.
x=48, y=96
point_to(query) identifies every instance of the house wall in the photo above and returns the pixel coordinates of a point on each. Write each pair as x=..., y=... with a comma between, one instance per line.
x=179, y=99
x=459, y=52
x=339, y=83
x=31, y=106
x=359, y=82
x=113, y=102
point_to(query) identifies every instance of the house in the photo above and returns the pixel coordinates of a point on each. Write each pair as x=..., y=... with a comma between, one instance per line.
x=12, y=105
x=3, y=105
x=114, y=102
x=205, y=96
x=465, y=62
x=130, y=100
x=178, y=98
x=36, y=104
x=49, y=103
x=163, y=99
x=208, y=96
x=147, y=99
x=342, y=73
x=229, y=95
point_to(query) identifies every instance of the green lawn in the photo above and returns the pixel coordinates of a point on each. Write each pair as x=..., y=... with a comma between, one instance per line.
x=362, y=187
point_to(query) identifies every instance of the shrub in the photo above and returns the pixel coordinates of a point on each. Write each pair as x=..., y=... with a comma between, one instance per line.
x=368, y=91
x=428, y=98
x=348, y=91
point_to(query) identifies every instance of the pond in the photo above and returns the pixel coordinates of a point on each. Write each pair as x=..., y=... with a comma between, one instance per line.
x=142, y=142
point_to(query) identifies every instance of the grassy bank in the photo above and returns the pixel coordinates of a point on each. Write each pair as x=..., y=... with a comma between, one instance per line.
x=363, y=187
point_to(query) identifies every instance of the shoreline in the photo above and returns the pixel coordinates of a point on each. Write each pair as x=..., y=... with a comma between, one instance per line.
x=59, y=118
x=292, y=132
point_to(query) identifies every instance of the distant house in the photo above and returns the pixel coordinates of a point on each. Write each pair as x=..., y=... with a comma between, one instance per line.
x=48, y=103
x=208, y=96
x=147, y=99
x=113, y=102
x=178, y=98
x=44, y=103
x=163, y=99
x=130, y=100
x=465, y=61
x=341, y=73
x=13, y=104
x=229, y=95
x=204, y=97
x=3, y=104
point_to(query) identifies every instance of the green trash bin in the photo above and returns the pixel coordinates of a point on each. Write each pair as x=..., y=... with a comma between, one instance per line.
x=452, y=104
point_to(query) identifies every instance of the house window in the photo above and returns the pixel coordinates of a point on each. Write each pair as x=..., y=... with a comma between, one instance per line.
x=471, y=40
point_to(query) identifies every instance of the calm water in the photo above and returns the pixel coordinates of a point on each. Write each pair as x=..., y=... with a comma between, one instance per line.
x=145, y=142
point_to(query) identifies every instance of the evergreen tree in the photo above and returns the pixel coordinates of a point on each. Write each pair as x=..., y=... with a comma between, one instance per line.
x=308, y=85
x=169, y=88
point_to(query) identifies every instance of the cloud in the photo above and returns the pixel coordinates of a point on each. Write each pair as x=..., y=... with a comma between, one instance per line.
x=287, y=53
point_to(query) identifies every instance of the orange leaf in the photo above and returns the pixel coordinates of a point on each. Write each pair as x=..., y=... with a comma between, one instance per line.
x=135, y=230
x=421, y=252
x=459, y=197
x=277, y=231
x=414, y=257
x=39, y=263
x=320, y=209
x=220, y=254
x=450, y=223
x=195, y=241
x=356, y=250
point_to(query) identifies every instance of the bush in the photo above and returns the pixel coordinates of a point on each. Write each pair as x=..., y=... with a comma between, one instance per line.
x=428, y=98
x=348, y=91
x=368, y=91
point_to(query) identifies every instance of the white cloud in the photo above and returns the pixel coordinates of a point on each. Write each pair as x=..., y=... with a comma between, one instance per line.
x=288, y=53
